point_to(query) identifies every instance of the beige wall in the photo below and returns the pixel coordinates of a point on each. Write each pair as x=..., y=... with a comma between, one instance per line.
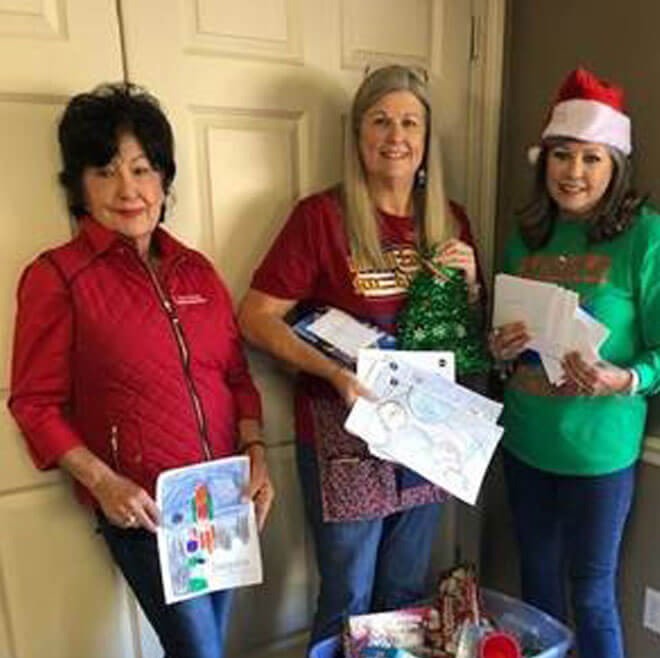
x=618, y=40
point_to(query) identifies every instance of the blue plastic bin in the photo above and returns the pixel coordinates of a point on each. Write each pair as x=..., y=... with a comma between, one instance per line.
x=529, y=624
x=330, y=648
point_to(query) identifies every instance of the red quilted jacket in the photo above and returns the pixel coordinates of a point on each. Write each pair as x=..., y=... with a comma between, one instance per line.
x=147, y=371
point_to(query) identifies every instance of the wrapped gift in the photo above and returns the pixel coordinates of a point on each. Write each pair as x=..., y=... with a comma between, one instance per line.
x=458, y=606
x=408, y=629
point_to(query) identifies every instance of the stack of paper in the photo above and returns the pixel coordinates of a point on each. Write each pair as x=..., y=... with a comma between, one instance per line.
x=339, y=335
x=556, y=323
x=421, y=419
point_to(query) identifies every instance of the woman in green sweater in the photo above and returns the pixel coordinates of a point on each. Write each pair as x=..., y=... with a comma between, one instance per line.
x=570, y=450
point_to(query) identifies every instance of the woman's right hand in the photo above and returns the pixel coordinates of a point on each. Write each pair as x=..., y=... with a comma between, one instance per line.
x=261, y=318
x=124, y=503
x=507, y=341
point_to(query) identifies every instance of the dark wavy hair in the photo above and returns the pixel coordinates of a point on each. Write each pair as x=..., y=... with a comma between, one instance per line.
x=613, y=215
x=90, y=129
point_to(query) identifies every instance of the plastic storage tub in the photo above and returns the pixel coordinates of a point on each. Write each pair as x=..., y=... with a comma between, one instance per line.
x=330, y=648
x=530, y=624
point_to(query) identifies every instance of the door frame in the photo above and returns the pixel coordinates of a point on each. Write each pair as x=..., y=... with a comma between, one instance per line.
x=485, y=106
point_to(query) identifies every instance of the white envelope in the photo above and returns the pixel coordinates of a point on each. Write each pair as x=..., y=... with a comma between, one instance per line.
x=553, y=317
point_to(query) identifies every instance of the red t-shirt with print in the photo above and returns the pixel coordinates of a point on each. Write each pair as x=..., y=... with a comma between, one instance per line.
x=310, y=262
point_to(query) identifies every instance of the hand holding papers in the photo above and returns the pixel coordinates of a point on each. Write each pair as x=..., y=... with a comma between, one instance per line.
x=208, y=538
x=439, y=429
x=553, y=318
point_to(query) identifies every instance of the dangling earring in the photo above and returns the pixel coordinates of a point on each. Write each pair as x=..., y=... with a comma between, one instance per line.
x=420, y=177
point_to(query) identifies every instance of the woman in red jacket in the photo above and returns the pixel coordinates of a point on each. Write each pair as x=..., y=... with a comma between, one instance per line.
x=127, y=360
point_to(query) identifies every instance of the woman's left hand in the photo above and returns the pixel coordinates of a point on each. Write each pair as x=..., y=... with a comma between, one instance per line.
x=459, y=254
x=600, y=378
x=260, y=489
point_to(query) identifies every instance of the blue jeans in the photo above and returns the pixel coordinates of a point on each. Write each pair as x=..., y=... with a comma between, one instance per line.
x=572, y=525
x=365, y=566
x=195, y=628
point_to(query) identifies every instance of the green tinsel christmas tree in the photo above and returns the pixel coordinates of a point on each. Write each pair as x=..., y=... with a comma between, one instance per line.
x=437, y=316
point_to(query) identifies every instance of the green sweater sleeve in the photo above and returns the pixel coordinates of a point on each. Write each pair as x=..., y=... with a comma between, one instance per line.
x=646, y=256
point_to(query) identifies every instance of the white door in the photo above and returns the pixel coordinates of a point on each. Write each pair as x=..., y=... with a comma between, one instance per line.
x=59, y=595
x=256, y=91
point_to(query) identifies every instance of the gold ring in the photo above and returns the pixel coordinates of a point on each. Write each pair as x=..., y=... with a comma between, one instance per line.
x=130, y=521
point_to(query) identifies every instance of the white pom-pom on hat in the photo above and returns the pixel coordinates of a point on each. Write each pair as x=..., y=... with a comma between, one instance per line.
x=533, y=153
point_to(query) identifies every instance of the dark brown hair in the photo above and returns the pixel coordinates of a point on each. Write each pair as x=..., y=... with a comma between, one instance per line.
x=614, y=213
x=90, y=129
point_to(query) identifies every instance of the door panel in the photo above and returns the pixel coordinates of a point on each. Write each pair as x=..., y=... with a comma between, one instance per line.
x=256, y=92
x=245, y=221
x=59, y=595
x=18, y=473
x=58, y=46
x=33, y=214
x=57, y=579
x=282, y=604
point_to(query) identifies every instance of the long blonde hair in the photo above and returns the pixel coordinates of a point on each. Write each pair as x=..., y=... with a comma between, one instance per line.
x=430, y=204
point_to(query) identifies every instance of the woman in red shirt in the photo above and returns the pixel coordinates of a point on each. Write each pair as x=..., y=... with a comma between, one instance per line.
x=356, y=247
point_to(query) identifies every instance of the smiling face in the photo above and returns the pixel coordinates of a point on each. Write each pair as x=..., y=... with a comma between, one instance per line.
x=578, y=175
x=126, y=195
x=392, y=138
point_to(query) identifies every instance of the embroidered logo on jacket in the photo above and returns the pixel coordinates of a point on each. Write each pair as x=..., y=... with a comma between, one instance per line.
x=190, y=300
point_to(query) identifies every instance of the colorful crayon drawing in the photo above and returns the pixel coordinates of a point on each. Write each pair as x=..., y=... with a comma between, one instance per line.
x=207, y=539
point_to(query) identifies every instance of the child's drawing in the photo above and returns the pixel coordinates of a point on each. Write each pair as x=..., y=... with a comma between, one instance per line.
x=207, y=539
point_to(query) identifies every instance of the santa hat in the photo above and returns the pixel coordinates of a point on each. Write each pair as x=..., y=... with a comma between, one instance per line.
x=590, y=110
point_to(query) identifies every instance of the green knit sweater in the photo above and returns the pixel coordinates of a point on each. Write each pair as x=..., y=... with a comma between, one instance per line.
x=618, y=281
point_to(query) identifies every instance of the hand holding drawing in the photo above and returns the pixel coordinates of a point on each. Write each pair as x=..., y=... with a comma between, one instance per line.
x=600, y=378
x=508, y=341
x=126, y=504
x=260, y=489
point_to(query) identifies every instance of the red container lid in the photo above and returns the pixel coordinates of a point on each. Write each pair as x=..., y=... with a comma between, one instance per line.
x=499, y=645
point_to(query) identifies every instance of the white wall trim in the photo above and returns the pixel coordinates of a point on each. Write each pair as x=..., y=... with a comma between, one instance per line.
x=484, y=122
